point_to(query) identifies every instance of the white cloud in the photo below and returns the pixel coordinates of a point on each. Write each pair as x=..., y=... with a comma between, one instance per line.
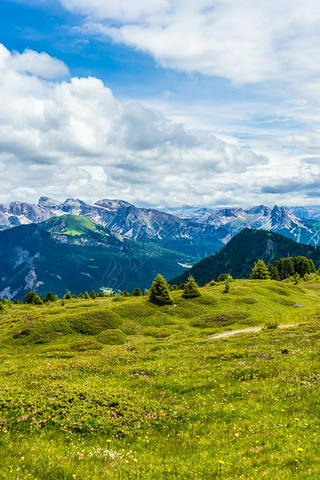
x=74, y=138
x=245, y=41
x=34, y=63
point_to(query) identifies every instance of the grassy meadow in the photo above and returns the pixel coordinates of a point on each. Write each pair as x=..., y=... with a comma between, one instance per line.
x=118, y=388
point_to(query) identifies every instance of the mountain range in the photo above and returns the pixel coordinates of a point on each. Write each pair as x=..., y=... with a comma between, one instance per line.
x=71, y=245
x=194, y=232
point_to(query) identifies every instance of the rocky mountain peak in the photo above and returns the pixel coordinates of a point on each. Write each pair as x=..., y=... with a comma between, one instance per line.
x=259, y=210
x=280, y=217
x=47, y=202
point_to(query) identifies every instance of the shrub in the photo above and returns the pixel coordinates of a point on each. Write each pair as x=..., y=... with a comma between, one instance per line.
x=159, y=332
x=271, y=325
x=130, y=329
x=22, y=333
x=33, y=298
x=83, y=345
x=136, y=292
x=112, y=337
x=223, y=277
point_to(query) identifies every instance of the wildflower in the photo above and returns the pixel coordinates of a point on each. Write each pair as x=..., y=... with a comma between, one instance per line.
x=221, y=462
x=299, y=449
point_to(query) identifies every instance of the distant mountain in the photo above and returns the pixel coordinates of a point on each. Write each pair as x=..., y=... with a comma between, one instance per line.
x=194, y=232
x=141, y=224
x=311, y=213
x=74, y=253
x=240, y=254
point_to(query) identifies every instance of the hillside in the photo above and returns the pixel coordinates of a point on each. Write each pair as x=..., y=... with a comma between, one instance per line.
x=120, y=388
x=240, y=254
x=73, y=253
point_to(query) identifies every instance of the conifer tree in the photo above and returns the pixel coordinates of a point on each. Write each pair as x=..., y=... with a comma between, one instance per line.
x=86, y=295
x=191, y=289
x=296, y=278
x=67, y=296
x=93, y=294
x=260, y=271
x=50, y=297
x=136, y=292
x=274, y=274
x=312, y=267
x=159, y=292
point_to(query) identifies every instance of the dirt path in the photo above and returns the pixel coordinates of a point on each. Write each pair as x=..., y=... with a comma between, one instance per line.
x=244, y=330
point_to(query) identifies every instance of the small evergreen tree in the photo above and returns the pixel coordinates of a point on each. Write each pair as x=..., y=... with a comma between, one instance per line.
x=1, y=307
x=50, y=297
x=191, y=289
x=81, y=295
x=136, y=292
x=125, y=293
x=159, y=292
x=93, y=294
x=260, y=271
x=67, y=296
x=296, y=278
x=33, y=298
x=86, y=295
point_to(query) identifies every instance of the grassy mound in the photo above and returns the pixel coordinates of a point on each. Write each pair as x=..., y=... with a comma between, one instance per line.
x=112, y=337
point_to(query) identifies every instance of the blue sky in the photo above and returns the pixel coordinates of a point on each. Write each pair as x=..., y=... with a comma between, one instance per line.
x=216, y=103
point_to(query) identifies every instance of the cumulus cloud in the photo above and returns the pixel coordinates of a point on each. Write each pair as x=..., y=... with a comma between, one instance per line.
x=74, y=138
x=33, y=63
x=244, y=41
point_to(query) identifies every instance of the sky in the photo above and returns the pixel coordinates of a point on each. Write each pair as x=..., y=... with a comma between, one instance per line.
x=162, y=103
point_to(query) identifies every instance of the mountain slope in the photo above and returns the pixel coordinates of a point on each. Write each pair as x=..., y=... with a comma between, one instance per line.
x=239, y=255
x=73, y=253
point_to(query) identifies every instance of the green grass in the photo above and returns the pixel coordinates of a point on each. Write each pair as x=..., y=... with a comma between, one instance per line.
x=169, y=402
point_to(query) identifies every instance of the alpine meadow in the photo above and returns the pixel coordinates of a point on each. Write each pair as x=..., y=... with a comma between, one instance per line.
x=159, y=240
